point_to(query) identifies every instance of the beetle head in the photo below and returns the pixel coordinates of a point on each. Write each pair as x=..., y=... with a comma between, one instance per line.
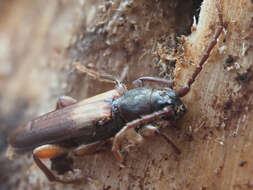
x=167, y=97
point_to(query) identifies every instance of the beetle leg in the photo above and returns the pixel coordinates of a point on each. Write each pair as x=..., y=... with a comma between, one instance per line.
x=64, y=101
x=133, y=124
x=50, y=151
x=150, y=130
x=99, y=76
x=140, y=81
x=90, y=148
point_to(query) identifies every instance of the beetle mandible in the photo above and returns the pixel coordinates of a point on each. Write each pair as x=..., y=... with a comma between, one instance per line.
x=80, y=126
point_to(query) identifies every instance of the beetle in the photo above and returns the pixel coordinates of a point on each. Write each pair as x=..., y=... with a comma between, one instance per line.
x=82, y=126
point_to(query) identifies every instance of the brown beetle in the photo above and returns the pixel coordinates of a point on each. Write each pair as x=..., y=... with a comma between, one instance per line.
x=80, y=126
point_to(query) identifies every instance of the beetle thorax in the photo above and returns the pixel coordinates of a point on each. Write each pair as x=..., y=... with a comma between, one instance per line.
x=142, y=101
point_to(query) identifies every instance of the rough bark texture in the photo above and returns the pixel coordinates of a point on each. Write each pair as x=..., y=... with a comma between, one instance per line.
x=39, y=41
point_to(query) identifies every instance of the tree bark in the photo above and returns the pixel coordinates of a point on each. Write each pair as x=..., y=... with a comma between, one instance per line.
x=39, y=41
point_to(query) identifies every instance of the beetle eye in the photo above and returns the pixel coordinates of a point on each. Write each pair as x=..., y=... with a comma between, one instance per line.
x=181, y=109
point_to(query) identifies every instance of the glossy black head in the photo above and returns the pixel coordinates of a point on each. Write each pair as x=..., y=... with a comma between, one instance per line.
x=167, y=97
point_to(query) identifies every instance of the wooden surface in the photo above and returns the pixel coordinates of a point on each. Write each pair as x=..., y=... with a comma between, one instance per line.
x=39, y=41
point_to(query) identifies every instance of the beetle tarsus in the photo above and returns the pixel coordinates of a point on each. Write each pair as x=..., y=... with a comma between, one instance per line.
x=117, y=154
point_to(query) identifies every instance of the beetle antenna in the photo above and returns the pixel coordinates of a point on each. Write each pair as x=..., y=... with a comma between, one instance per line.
x=185, y=89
